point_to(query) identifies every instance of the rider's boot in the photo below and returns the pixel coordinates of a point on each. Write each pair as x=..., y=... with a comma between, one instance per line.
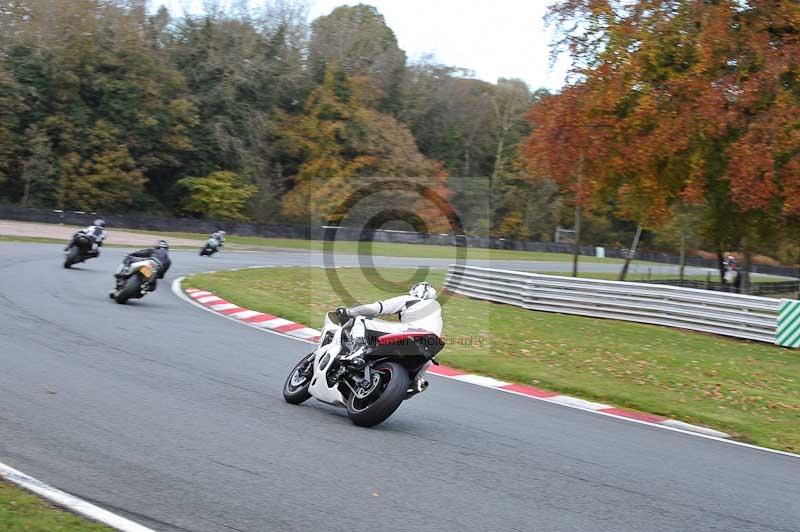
x=355, y=358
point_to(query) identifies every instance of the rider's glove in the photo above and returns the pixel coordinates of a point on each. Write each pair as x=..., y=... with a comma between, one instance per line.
x=342, y=315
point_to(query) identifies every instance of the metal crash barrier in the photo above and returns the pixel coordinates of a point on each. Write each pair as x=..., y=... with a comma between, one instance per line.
x=740, y=316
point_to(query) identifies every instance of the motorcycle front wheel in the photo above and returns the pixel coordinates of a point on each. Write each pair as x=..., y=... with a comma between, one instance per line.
x=132, y=288
x=384, y=397
x=295, y=389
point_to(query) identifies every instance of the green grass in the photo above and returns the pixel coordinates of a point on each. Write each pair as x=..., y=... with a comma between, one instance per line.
x=388, y=249
x=23, y=512
x=748, y=389
x=35, y=239
x=46, y=240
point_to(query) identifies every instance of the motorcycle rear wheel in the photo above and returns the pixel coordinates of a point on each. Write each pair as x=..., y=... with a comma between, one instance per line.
x=133, y=286
x=72, y=257
x=378, y=406
x=295, y=389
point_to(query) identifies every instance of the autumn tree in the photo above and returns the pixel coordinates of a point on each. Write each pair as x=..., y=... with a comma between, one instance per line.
x=220, y=195
x=340, y=145
x=105, y=178
x=566, y=147
x=697, y=98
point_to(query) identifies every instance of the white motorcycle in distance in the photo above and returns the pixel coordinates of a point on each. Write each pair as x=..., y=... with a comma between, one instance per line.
x=370, y=384
x=135, y=277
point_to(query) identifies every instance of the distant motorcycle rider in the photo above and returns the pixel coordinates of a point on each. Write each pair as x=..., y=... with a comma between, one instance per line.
x=96, y=234
x=219, y=236
x=160, y=253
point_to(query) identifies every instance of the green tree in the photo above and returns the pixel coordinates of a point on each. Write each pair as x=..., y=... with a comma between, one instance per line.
x=527, y=210
x=338, y=144
x=10, y=106
x=105, y=180
x=357, y=40
x=242, y=72
x=222, y=195
x=86, y=62
x=38, y=171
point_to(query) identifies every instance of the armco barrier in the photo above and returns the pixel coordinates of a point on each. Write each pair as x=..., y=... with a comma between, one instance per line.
x=788, y=334
x=741, y=316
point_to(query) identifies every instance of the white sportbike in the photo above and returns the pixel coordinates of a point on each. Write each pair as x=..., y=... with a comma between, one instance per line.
x=370, y=382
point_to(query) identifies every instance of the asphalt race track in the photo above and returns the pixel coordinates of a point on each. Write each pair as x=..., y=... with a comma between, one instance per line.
x=173, y=417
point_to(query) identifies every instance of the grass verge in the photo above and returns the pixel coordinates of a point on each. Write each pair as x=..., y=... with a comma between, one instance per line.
x=46, y=240
x=21, y=511
x=389, y=249
x=34, y=239
x=747, y=389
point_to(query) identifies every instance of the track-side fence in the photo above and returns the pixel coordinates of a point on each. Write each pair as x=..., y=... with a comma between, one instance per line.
x=740, y=316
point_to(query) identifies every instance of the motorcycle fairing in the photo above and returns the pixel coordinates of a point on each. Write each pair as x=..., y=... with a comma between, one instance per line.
x=319, y=383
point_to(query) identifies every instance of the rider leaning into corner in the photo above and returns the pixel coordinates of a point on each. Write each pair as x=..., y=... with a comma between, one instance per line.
x=219, y=236
x=96, y=233
x=418, y=310
x=160, y=252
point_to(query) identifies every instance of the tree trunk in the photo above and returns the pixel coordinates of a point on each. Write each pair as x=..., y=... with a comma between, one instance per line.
x=577, y=250
x=745, y=271
x=631, y=254
x=498, y=159
x=682, y=271
x=721, y=266
x=26, y=193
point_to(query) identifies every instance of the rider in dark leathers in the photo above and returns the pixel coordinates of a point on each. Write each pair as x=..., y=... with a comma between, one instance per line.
x=160, y=252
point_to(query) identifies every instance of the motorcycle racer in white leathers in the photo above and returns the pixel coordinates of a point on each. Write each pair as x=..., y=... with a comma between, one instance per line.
x=417, y=310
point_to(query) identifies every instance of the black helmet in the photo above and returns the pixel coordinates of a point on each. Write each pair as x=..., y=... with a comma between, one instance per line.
x=99, y=222
x=162, y=244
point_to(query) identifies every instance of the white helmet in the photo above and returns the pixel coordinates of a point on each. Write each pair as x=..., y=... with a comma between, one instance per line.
x=423, y=290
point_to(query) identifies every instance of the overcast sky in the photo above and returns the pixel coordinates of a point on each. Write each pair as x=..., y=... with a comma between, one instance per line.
x=497, y=38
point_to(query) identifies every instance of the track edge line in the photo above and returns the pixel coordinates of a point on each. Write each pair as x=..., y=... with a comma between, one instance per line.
x=70, y=502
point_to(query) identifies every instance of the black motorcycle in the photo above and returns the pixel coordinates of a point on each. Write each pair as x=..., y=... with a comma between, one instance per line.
x=79, y=250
